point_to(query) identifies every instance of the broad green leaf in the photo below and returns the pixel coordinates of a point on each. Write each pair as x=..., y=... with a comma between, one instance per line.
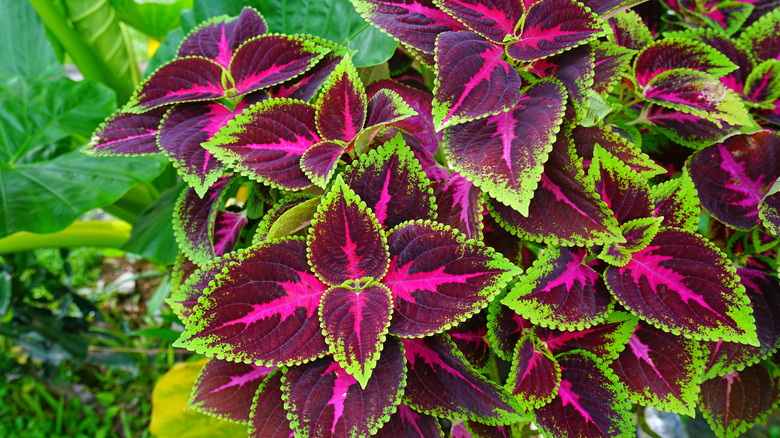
x=170, y=397
x=24, y=49
x=166, y=52
x=153, y=17
x=152, y=235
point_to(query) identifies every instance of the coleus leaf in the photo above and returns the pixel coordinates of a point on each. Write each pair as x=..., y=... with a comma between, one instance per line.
x=319, y=161
x=265, y=142
x=439, y=278
x=769, y=209
x=341, y=107
x=688, y=129
x=406, y=423
x=586, y=138
x=391, y=183
x=182, y=80
x=561, y=290
x=629, y=31
x=184, y=129
x=728, y=15
x=505, y=327
x=575, y=69
x=127, y=134
x=660, y=369
x=471, y=338
x=565, y=210
x=535, y=374
x=217, y=39
x=638, y=234
x=683, y=284
x=184, y=299
x=723, y=357
x=459, y=205
x=762, y=86
x=606, y=340
x=590, y=400
x=193, y=221
x=674, y=53
x=552, y=26
x=442, y=384
x=284, y=220
x=472, y=79
x=415, y=23
x=262, y=309
x=760, y=38
x=697, y=93
x=625, y=191
x=494, y=19
x=503, y=154
x=732, y=177
x=305, y=86
x=387, y=107
x=355, y=323
x=734, y=402
x=611, y=61
x=227, y=230
x=324, y=400
x=268, y=418
x=226, y=389
x=346, y=242
x=608, y=8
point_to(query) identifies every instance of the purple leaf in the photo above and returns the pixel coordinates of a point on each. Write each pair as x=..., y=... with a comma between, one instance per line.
x=575, y=69
x=769, y=209
x=677, y=202
x=610, y=7
x=305, y=86
x=341, y=107
x=535, y=374
x=472, y=79
x=265, y=142
x=590, y=401
x=390, y=181
x=272, y=59
x=762, y=87
x=324, y=400
x=406, y=423
x=676, y=53
x=219, y=38
x=724, y=357
x=552, y=26
x=685, y=285
x=459, y=205
x=319, y=161
x=261, y=309
x=269, y=417
x=732, y=177
x=193, y=221
x=439, y=380
x=127, y=134
x=630, y=31
x=761, y=38
x=733, y=403
x=504, y=154
x=612, y=61
x=606, y=136
x=660, y=369
x=387, y=107
x=565, y=210
x=561, y=290
x=227, y=229
x=638, y=234
x=471, y=339
x=624, y=190
x=606, y=340
x=688, y=129
x=185, y=128
x=416, y=23
x=346, y=243
x=493, y=19
x=226, y=389
x=181, y=80
x=184, y=299
x=438, y=278
x=505, y=327
x=355, y=323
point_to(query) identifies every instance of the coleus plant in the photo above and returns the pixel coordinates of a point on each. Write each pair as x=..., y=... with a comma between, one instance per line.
x=579, y=216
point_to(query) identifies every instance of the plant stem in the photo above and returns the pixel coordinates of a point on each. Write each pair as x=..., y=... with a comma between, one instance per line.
x=87, y=233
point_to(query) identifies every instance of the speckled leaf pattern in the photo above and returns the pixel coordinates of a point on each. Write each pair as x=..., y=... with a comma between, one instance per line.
x=438, y=278
x=493, y=19
x=561, y=290
x=688, y=129
x=184, y=299
x=552, y=26
x=762, y=86
x=226, y=389
x=218, y=39
x=265, y=142
x=677, y=202
x=324, y=400
x=723, y=357
x=387, y=107
x=683, y=284
x=346, y=243
x=262, y=310
x=391, y=183
x=441, y=383
x=590, y=401
x=535, y=374
x=504, y=154
x=624, y=190
x=127, y=134
x=319, y=161
x=472, y=79
x=193, y=221
x=760, y=39
x=586, y=138
x=505, y=327
x=341, y=107
x=736, y=401
x=355, y=323
x=575, y=69
x=565, y=209
x=406, y=423
x=612, y=61
x=673, y=53
x=660, y=369
x=629, y=30
x=181, y=80
x=268, y=418
x=732, y=177
x=769, y=209
x=459, y=205
x=606, y=340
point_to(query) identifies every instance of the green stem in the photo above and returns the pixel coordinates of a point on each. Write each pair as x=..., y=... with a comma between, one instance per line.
x=88, y=62
x=87, y=233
